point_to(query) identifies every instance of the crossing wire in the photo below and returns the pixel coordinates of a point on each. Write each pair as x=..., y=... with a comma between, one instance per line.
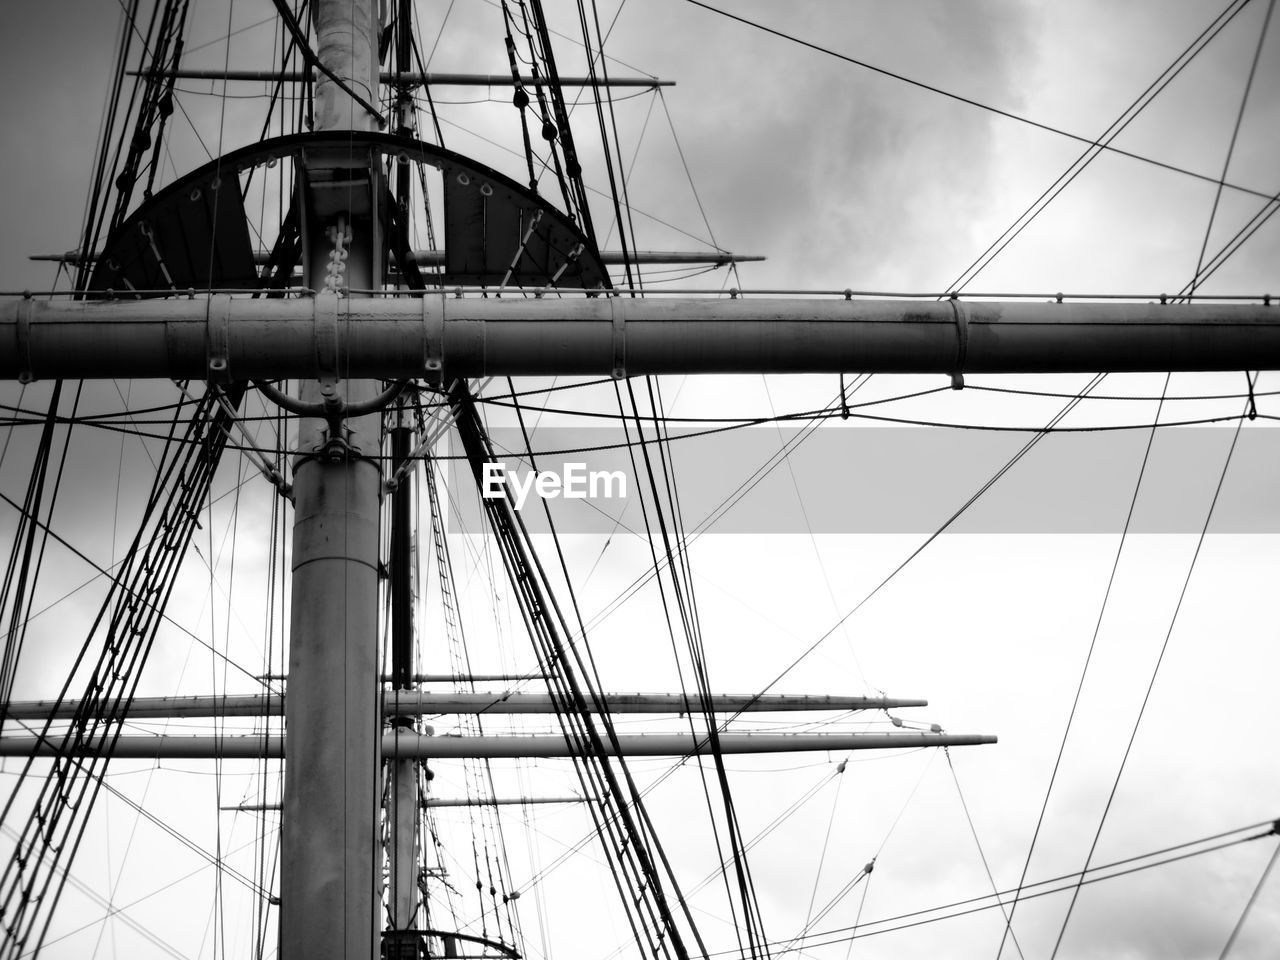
x=1084, y=672
x=976, y=103
x=674, y=564
x=1231, y=147
x=974, y=905
x=1133, y=734
x=688, y=711
x=1253, y=898
x=593, y=680
x=131, y=614
x=478, y=775
x=1091, y=153
x=628, y=839
x=687, y=600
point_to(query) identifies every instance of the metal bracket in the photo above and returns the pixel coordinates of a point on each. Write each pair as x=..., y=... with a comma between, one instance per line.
x=618, y=318
x=325, y=314
x=433, y=339
x=334, y=408
x=25, y=309
x=961, y=314
x=217, y=312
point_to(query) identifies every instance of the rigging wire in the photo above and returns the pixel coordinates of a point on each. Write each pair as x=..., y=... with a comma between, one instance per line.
x=737, y=856
x=664, y=420
x=644, y=851
x=1092, y=152
x=982, y=855
x=730, y=425
x=822, y=858
x=1009, y=465
x=1084, y=670
x=136, y=597
x=1232, y=246
x=687, y=598
x=1132, y=865
x=976, y=103
x=1231, y=146
x=291, y=24
x=1253, y=898
x=1133, y=734
x=631, y=859
x=612, y=148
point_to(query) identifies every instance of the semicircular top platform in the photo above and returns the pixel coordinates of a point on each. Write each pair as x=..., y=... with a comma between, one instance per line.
x=195, y=233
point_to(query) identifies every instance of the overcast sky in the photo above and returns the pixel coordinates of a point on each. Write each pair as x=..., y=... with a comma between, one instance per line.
x=842, y=178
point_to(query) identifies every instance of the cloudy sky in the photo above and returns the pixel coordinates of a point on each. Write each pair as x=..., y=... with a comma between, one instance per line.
x=842, y=178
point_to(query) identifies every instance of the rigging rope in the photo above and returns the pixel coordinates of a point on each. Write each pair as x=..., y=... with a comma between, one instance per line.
x=1096, y=149
x=892, y=924
x=630, y=857
x=1084, y=670
x=291, y=24
x=1253, y=898
x=1231, y=146
x=1133, y=734
x=132, y=612
x=976, y=103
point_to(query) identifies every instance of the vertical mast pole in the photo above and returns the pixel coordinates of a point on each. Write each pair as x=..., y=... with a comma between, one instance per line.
x=330, y=883
x=403, y=795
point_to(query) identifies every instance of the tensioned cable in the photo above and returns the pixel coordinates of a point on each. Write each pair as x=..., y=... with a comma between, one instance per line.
x=688, y=175
x=811, y=416
x=1078, y=166
x=1084, y=670
x=291, y=24
x=750, y=908
x=1253, y=898
x=1151, y=684
x=822, y=857
x=575, y=40
x=477, y=775
x=973, y=830
x=1232, y=246
x=113, y=912
x=104, y=572
x=657, y=405
x=773, y=417
x=502, y=399
x=99, y=777
x=635, y=210
x=689, y=712
x=654, y=845
x=971, y=102
x=1231, y=147
x=680, y=571
x=129, y=639
x=120, y=911
x=720, y=869
x=611, y=147
x=804, y=513
x=853, y=932
x=1025, y=449
x=545, y=621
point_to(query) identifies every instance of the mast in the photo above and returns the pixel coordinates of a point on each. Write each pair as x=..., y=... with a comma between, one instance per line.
x=329, y=895
x=337, y=508
x=402, y=772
